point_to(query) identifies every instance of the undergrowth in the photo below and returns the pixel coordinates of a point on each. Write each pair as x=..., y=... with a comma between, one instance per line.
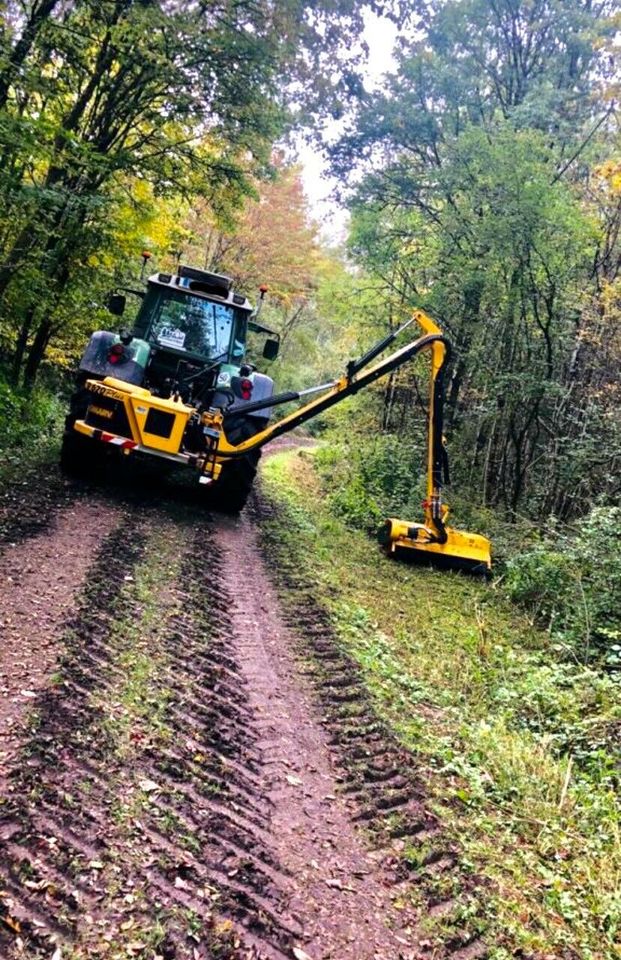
x=367, y=479
x=567, y=577
x=29, y=424
x=518, y=745
x=571, y=583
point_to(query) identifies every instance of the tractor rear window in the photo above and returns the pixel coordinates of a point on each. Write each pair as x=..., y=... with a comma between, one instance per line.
x=193, y=324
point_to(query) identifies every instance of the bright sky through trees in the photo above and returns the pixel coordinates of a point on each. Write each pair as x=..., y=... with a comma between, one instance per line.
x=379, y=35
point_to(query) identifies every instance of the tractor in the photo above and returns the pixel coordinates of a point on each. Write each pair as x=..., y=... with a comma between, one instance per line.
x=145, y=391
x=179, y=388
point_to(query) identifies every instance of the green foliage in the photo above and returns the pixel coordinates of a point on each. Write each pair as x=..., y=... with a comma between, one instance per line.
x=370, y=479
x=572, y=585
x=27, y=420
x=477, y=204
x=517, y=746
x=100, y=100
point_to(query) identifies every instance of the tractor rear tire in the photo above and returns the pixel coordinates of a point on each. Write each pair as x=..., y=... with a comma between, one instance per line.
x=76, y=456
x=80, y=457
x=233, y=487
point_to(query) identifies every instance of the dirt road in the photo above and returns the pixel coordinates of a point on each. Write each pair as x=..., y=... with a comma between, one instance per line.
x=176, y=778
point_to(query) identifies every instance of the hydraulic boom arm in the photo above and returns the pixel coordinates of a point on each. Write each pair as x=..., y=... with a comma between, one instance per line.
x=356, y=378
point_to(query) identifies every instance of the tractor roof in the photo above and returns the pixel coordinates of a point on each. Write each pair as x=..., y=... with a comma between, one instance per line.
x=202, y=283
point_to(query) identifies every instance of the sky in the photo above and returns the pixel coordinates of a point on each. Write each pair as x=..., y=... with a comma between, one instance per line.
x=380, y=35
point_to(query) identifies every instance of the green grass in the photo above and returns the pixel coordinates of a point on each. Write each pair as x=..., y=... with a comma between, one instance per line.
x=137, y=705
x=517, y=748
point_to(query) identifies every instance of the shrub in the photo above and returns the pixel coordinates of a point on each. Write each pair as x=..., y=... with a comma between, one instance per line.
x=368, y=480
x=571, y=583
x=26, y=419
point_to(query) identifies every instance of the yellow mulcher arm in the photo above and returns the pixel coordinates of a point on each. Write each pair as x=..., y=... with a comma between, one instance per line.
x=432, y=540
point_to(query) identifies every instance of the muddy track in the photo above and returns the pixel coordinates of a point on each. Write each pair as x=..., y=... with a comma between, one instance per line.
x=98, y=844
x=186, y=785
x=30, y=500
x=387, y=792
x=40, y=576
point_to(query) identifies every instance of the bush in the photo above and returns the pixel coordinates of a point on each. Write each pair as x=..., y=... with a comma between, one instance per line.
x=27, y=419
x=571, y=583
x=369, y=480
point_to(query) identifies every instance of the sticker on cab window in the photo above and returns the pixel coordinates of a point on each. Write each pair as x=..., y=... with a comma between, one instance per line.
x=171, y=337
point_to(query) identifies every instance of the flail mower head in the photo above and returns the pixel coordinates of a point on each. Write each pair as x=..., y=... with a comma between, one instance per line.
x=468, y=552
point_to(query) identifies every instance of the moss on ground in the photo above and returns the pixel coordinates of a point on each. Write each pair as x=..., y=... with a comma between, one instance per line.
x=517, y=748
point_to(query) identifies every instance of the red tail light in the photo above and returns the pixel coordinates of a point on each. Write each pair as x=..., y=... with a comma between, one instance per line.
x=246, y=389
x=116, y=353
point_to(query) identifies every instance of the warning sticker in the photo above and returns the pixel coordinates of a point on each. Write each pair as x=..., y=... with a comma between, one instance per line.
x=171, y=337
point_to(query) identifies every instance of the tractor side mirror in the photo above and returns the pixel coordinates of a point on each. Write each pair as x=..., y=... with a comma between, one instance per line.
x=116, y=304
x=271, y=348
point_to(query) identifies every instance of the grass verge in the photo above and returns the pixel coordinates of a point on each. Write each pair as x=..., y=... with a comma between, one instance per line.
x=136, y=724
x=498, y=726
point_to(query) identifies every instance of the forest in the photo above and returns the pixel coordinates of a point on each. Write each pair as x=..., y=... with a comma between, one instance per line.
x=482, y=181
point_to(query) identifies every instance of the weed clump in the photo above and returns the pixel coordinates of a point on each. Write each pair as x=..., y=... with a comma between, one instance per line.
x=27, y=419
x=370, y=479
x=571, y=584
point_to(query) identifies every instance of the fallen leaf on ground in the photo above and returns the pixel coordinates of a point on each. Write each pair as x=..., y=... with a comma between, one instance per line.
x=294, y=781
x=148, y=785
x=12, y=924
x=300, y=954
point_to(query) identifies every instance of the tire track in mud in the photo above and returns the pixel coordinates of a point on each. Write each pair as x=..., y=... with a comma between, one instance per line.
x=31, y=498
x=388, y=794
x=47, y=827
x=176, y=796
x=343, y=901
x=147, y=836
x=40, y=577
x=211, y=774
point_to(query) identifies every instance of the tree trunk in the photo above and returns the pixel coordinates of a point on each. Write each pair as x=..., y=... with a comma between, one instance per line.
x=40, y=13
x=57, y=175
x=20, y=349
x=37, y=351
